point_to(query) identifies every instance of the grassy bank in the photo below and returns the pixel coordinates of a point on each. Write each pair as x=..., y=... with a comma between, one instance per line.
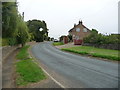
x=95, y=52
x=58, y=43
x=27, y=70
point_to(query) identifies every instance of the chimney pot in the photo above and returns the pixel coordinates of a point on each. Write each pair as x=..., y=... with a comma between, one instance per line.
x=80, y=22
x=74, y=25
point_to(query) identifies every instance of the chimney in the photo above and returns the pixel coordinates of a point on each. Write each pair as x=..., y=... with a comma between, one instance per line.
x=80, y=22
x=74, y=25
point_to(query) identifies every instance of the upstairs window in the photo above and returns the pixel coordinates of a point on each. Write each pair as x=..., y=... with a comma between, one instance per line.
x=84, y=30
x=77, y=29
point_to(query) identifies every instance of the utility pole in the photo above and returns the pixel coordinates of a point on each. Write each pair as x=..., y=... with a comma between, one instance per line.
x=23, y=16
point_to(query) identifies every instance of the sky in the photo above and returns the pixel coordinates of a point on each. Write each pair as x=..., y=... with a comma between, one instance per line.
x=61, y=15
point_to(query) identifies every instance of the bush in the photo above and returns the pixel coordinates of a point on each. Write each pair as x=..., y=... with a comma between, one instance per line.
x=95, y=38
x=12, y=41
x=22, y=35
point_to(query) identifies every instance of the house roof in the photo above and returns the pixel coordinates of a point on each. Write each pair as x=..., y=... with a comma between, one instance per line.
x=80, y=23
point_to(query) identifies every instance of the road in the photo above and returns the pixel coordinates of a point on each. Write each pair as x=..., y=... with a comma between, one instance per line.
x=75, y=71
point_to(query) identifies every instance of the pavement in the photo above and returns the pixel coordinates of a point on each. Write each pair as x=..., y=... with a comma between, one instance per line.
x=74, y=71
x=8, y=71
x=9, y=74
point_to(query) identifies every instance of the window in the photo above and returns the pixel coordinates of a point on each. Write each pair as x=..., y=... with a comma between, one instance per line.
x=84, y=30
x=77, y=37
x=77, y=29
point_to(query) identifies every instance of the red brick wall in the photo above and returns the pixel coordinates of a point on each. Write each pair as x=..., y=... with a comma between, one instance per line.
x=81, y=34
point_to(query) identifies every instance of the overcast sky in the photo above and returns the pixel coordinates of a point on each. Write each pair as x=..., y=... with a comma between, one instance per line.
x=60, y=15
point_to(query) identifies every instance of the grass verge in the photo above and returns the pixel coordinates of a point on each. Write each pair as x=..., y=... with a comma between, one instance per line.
x=27, y=70
x=23, y=53
x=95, y=52
x=58, y=43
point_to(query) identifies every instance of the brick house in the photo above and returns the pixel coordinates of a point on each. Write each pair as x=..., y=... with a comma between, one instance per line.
x=78, y=32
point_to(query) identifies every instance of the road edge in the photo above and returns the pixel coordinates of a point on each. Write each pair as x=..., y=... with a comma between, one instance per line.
x=35, y=60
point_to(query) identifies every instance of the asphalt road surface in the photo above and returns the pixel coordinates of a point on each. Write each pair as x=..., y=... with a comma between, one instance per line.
x=75, y=71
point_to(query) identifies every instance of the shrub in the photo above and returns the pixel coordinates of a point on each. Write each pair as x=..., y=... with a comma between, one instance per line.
x=98, y=38
x=12, y=41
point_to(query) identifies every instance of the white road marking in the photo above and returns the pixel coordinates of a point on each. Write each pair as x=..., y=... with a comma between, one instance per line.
x=48, y=74
x=52, y=78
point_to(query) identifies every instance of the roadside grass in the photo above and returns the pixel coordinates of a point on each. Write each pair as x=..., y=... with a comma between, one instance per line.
x=23, y=53
x=58, y=43
x=27, y=70
x=95, y=52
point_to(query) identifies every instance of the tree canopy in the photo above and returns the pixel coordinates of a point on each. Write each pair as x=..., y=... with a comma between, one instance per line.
x=16, y=30
x=38, y=29
x=13, y=26
x=98, y=38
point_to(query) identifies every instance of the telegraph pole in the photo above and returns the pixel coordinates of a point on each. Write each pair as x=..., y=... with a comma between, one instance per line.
x=23, y=16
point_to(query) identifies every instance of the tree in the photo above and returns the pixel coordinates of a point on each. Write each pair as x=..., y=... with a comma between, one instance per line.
x=9, y=19
x=22, y=34
x=95, y=38
x=92, y=38
x=34, y=28
x=70, y=38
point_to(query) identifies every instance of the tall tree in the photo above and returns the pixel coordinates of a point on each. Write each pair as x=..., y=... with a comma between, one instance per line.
x=9, y=18
x=22, y=34
x=38, y=29
x=13, y=28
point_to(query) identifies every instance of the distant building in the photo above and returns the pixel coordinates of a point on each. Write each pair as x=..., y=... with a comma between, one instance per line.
x=64, y=39
x=78, y=32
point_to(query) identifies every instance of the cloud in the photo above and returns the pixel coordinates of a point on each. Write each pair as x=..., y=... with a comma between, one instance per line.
x=61, y=15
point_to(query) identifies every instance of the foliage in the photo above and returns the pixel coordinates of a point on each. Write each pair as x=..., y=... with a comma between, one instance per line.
x=14, y=28
x=34, y=28
x=23, y=35
x=95, y=38
x=48, y=38
x=27, y=70
x=95, y=52
x=12, y=41
x=70, y=38
x=9, y=19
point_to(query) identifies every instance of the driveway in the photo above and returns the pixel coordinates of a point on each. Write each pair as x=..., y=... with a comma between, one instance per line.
x=74, y=71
